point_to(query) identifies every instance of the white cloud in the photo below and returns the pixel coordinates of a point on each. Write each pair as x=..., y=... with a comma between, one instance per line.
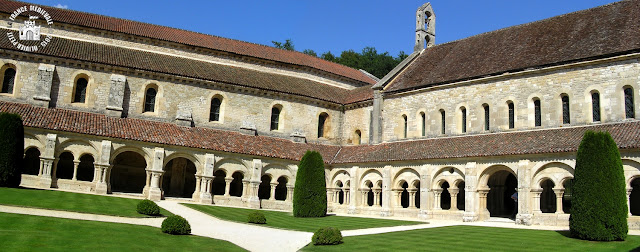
x=61, y=6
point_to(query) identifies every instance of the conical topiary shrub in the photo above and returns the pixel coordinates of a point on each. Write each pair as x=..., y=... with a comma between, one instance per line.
x=11, y=149
x=310, y=192
x=598, y=204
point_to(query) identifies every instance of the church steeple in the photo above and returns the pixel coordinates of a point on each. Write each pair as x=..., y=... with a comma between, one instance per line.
x=425, y=27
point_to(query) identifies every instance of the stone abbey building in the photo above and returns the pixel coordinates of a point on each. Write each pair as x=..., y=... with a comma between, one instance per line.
x=118, y=106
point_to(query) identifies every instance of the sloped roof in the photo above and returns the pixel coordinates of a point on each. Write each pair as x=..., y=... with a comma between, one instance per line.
x=144, y=60
x=608, y=30
x=193, y=39
x=626, y=135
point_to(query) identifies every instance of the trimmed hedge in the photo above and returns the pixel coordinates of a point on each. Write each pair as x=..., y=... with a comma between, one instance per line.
x=327, y=236
x=310, y=191
x=176, y=225
x=257, y=217
x=148, y=207
x=598, y=204
x=11, y=149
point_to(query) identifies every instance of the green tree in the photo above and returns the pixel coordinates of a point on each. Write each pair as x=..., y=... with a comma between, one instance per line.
x=11, y=149
x=310, y=52
x=598, y=204
x=310, y=191
x=287, y=45
x=328, y=56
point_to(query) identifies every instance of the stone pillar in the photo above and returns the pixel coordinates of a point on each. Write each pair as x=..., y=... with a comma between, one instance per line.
x=290, y=193
x=272, y=196
x=76, y=163
x=376, y=197
x=227, y=186
x=195, y=196
x=245, y=188
x=524, y=216
x=386, y=191
x=376, y=118
x=482, y=195
x=471, y=199
x=102, y=168
x=205, y=189
x=256, y=171
x=353, y=190
x=536, y=200
x=398, y=197
x=347, y=197
x=47, y=160
x=436, y=199
x=559, y=192
x=116, y=95
x=42, y=95
x=454, y=198
x=629, y=200
x=425, y=184
x=329, y=195
x=155, y=189
x=412, y=197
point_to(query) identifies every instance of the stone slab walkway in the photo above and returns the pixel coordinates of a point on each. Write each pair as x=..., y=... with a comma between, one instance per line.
x=154, y=222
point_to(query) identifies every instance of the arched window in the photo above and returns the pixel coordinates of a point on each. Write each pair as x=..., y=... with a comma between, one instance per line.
x=537, y=112
x=404, y=128
x=150, y=100
x=358, y=137
x=512, y=114
x=566, y=114
x=486, y=117
x=548, y=197
x=86, y=168
x=31, y=161
x=443, y=122
x=8, y=80
x=595, y=106
x=264, y=190
x=80, y=92
x=628, y=103
x=423, y=123
x=214, y=114
x=275, y=118
x=463, y=122
x=322, y=123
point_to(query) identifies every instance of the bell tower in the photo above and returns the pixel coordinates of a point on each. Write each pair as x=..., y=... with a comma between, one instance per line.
x=425, y=27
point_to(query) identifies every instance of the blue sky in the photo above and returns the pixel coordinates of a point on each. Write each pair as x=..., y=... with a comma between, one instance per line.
x=330, y=25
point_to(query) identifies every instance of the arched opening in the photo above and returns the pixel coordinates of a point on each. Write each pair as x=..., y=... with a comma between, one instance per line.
x=461, y=195
x=486, y=116
x=463, y=120
x=537, y=112
x=445, y=197
x=566, y=112
x=150, y=99
x=629, y=109
x=634, y=198
x=512, y=114
x=443, y=122
x=502, y=185
x=340, y=195
x=281, y=188
x=275, y=117
x=85, y=168
x=264, y=190
x=566, y=197
x=179, y=178
x=8, y=81
x=322, y=124
x=235, y=189
x=404, y=197
x=64, y=168
x=595, y=106
x=370, y=194
x=423, y=123
x=80, y=92
x=548, y=197
x=358, y=137
x=214, y=113
x=218, y=182
x=128, y=173
x=31, y=161
x=405, y=126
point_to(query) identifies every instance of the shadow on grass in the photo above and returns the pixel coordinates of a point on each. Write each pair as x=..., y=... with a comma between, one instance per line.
x=567, y=234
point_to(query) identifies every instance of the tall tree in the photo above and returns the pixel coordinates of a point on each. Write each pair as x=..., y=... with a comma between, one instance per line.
x=287, y=45
x=310, y=191
x=11, y=149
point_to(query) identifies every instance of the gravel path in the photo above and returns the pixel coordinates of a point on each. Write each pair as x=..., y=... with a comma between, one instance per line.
x=250, y=237
x=154, y=222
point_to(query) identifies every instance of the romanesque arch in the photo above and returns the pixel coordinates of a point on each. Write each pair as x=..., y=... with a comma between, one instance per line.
x=129, y=173
x=632, y=177
x=179, y=178
x=371, y=188
x=31, y=161
x=552, y=187
x=498, y=183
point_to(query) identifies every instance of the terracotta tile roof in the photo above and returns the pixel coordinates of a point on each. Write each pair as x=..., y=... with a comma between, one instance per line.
x=607, y=30
x=162, y=133
x=193, y=39
x=626, y=135
x=135, y=59
x=359, y=94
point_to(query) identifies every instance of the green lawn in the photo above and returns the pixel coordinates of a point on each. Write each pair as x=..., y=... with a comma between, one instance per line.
x=287, y=221
x=67, y=201
x=470, y=238
x=36, y=233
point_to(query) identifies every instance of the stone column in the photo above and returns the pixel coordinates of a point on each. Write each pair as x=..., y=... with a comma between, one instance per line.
x=412, y=197
x=76, y=163
x=330, y=195
x=472, y=208
x=376, y=197
x=245, y=188
x=102, y=169
x=273, y=191
x=398, y=198
x=47, y=160
x=347, y=196
x=386, y=191
x=155, y=192
x=436, y=199
x=425, y=184
x=227, y=187
x=290, y=193
x=254, y=200
x=196, y=193
x=629, y=200
x=205, y=183
x=353, y=190
x=559, y=192
x=524, y=176
x=482, y=194
x=536, y=200
x=454, y=198
x=364, y=197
